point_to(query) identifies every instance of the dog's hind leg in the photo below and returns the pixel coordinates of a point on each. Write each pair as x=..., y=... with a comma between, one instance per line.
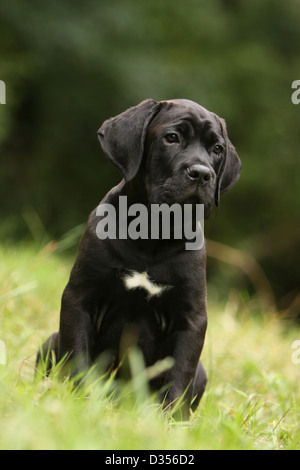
x=199, y=385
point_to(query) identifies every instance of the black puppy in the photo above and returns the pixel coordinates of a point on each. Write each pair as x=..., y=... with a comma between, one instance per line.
x=149, y=289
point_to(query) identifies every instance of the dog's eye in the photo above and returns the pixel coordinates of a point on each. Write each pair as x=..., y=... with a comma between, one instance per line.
x=172, y=138
x=218, y=149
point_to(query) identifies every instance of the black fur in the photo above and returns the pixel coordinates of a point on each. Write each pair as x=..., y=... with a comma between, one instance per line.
x=98, y=313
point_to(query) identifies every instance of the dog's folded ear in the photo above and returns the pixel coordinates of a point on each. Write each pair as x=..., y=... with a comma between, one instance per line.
x=229, y=170
x=122, y=137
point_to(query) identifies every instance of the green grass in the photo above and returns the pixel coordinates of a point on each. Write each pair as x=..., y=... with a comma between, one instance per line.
x=252, y=399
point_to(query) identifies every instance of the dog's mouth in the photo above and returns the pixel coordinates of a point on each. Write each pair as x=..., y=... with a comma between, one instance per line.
x=174, y=194
x=196, y=200
x=193, y=200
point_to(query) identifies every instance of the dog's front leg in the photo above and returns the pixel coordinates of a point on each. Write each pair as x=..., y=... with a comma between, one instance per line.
x=77, y=333
x=186, y=353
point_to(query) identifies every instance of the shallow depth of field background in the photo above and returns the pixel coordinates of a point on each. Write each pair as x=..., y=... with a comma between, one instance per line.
x=67, y=68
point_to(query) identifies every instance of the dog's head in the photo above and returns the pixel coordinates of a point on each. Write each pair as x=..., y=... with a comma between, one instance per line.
x=180, y=149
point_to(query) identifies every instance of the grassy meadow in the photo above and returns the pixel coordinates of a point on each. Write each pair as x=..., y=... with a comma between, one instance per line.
x=252, y=399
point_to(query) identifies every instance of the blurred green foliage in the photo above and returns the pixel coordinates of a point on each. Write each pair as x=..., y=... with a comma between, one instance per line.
x=68, y=66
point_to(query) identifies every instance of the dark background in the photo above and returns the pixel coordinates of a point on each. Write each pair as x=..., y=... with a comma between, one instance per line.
x=68, y=66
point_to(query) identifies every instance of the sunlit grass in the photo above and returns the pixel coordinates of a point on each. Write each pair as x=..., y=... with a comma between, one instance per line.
x=252, y=399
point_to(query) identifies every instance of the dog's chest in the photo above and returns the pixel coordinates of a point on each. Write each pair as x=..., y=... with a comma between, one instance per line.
x=136, y=297
x=141, y=280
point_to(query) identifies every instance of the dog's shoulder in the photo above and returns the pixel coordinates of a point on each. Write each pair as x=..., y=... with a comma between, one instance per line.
x=94, y=256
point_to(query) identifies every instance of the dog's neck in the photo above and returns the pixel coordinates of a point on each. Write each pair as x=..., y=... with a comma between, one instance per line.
x=136, y=193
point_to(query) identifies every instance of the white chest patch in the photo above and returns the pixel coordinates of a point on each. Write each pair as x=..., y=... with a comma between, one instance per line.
x=137, y=280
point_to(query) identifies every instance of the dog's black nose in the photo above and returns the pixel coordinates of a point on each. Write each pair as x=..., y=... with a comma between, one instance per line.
x=199, y=173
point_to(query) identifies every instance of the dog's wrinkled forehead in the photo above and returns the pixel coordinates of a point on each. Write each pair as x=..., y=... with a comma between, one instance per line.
x=189, y=107
x=175, y=111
